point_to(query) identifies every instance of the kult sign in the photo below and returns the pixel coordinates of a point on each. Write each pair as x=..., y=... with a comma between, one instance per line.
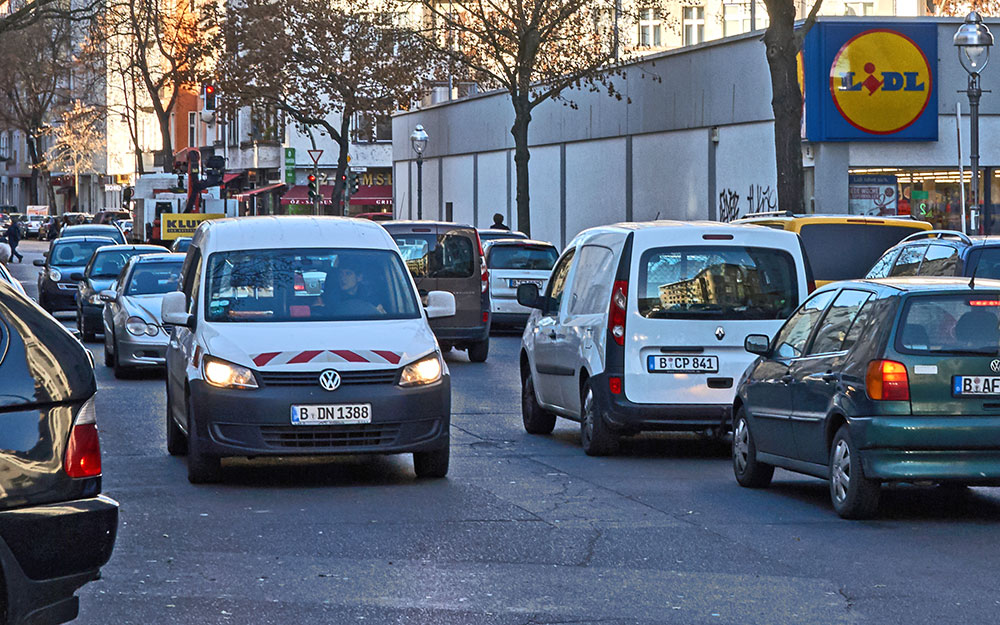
x=866, y=83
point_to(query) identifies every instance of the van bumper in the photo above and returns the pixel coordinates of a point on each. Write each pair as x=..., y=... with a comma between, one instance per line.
x=258, y=423
x=462, y=336
x=47, y=552
x=939, y=448
x=625, y=415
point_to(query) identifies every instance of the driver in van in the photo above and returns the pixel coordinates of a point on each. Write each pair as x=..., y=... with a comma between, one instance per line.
x=346, y=291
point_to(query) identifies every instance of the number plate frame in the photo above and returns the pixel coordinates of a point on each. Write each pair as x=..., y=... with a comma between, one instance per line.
x=958, y=385
x=681, y=363
x=327, y=414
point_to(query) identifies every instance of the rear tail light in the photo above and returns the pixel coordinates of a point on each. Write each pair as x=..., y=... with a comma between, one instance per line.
x=615, y=385
x=984, y=302
x=83, y=453
x=616, y=312
x=887, y=381
x=486, y=317
x=482, y=263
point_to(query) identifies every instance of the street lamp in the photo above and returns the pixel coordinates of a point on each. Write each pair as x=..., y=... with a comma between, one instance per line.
x=419, y=142
x=973, y=41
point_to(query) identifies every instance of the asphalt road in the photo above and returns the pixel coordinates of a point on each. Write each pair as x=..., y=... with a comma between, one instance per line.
x=525, y=530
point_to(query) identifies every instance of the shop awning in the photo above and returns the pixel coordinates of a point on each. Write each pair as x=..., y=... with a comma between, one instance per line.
x=299, y=194
x=265, y=189
x=227, y=178
x=380, y=195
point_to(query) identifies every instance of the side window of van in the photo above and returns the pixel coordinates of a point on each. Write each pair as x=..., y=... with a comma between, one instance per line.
x=909, y=261
x=884, y=264
x=791, y=340
x=557, y=284
x=191, y=278
x=591, y=291
x=940, y=260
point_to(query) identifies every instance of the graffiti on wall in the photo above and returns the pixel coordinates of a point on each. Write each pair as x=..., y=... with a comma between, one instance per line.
x=759, y=199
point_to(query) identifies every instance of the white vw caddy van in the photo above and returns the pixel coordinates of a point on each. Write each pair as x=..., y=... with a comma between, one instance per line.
x=641, y=326
x=303, y=335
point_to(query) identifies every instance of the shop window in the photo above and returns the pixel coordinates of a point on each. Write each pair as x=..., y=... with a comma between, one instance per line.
x=192, y=129
x=650, y=28
x=693, y=25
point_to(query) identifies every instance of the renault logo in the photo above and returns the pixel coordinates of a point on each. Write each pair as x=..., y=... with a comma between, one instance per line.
x=720, y=333
x=329, y=380
x=995, y=366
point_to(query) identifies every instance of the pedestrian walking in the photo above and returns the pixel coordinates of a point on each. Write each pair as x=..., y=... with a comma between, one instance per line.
x=498, y=223
x=13, y=238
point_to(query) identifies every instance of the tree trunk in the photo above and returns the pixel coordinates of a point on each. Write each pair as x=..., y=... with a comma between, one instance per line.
x=342, y=164
x=786, y=103
x=163, y=117
x=522, y=117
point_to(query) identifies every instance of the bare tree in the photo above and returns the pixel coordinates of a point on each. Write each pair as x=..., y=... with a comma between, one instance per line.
x=783, y=41
x=535, y=50
x=960, y=8
x=78, y=136
x=24, y=13
x=302, y=59
x=166, y=41
x=35, y=74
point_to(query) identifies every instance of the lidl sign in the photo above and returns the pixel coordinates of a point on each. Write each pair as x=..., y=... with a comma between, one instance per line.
x=868, y=82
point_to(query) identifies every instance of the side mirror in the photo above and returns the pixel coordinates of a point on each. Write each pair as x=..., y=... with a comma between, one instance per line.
x=173, y=310
x=440, y=304
x=38, y=262
x=76, y=277
x=527, y=295
x=757, y=344
x=107, y=296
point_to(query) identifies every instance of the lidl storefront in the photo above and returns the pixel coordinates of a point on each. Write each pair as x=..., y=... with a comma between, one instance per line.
x=879, y=137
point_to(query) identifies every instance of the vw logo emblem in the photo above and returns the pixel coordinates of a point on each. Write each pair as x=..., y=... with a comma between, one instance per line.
x=329, y=380
x=995, y=366
x=720, y=333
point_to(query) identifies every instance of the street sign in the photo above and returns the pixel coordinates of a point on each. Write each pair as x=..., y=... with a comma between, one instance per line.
x=314, y=155
x=362, y=169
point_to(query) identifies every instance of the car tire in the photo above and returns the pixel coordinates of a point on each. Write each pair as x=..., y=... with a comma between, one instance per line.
x=202, y=467
x=536, y=419
x=479, y=350
x=431, y=464
x=81, y=324
x=749, y=472
x=108, y=358
x=176, y=441
x=121, y=372
x=853, y=495
x=596, y=436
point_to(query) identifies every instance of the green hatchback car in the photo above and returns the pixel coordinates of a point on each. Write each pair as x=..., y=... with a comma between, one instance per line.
x=876, y=381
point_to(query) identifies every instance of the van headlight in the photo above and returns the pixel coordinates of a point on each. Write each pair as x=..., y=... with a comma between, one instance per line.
x=226, y=374
x=137, y=326
x=427, y=370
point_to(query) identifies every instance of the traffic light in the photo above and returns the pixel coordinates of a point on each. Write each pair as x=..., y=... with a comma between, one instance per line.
x=352, y=181
x=127, y=194
x=209, y=97
x=313, y=189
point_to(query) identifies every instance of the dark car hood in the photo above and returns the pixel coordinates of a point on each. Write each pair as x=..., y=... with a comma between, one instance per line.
x=100, y=284
x=40, y=361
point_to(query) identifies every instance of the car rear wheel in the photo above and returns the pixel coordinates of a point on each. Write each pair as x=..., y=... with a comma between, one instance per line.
x=596, y=436
x=536, y=419
x=176, y=441
x=749, y=472
x=479, y=350
x=202, y=467
x=433, y=464
x=853, y=495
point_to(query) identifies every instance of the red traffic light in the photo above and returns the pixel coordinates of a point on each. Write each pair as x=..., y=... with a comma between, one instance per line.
x=209, y=89
x=312, y=178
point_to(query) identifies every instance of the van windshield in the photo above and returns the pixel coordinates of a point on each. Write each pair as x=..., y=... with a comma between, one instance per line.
x=448, y=255
x=951, y=324
x=825, y=245
x=334, y=284
x=717, y=282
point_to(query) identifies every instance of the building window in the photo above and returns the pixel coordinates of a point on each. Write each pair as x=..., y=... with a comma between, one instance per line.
x=650, y=28
x=859, y=8
x=693, y=25
x=368, y=128
x=233, y=129
x=4, y=145
x=266, y=124
x=192, y=129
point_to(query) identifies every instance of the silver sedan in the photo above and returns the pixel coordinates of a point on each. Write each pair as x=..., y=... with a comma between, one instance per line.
x=134, y=336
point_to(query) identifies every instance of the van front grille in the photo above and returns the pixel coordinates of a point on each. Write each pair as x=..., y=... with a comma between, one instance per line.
x=330, y=436
x=311, y=378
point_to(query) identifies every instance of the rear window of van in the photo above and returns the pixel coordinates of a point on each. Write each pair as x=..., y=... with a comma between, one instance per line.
x=448, y=255
x=825, y=245
x=717, y=282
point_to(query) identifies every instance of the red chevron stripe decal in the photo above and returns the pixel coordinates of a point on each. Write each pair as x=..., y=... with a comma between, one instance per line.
x=262, y=359
x=304, y=357
x=348, y=355
x=391, y=357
